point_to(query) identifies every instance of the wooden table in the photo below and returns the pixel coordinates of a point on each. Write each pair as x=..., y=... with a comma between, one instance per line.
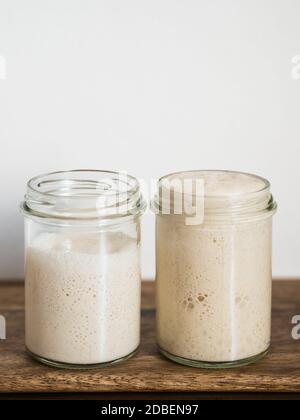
x=149, y=375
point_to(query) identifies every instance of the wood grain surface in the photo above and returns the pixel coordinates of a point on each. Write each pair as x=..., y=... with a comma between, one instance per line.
x=279, y=372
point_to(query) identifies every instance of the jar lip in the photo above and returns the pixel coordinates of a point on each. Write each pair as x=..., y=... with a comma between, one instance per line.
x=83, y=194
x=266, y=183
x=36, y=179
x=214, y=196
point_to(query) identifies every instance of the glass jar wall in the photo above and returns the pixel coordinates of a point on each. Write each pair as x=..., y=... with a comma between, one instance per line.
x=83, y=281
x=214, y=275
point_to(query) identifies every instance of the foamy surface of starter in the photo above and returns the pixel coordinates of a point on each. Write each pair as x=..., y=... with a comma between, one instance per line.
x=223, y=183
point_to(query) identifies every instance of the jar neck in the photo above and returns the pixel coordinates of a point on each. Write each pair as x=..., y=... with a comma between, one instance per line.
x=217, y=197
x=83, y=196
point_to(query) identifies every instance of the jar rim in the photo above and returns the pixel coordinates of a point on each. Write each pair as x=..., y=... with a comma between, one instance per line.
x=83, y=194
x=265, y=182
x=223, y=196
x=30, y=183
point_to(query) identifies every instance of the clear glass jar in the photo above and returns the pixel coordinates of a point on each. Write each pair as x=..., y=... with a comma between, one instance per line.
x=83, y=281
x=214, y=269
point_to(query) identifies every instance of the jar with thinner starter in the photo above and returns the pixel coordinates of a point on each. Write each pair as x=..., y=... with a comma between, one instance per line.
x=214, y=268
x=83, y=281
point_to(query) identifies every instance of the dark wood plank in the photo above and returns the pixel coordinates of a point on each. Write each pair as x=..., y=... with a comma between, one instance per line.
x=148, y=371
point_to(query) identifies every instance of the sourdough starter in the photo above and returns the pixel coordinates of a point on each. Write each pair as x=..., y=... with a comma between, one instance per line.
x=82, y=297
x=214, y=282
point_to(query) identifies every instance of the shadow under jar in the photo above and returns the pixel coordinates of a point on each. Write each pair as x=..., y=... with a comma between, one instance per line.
x=83, y=281
x=214, y=270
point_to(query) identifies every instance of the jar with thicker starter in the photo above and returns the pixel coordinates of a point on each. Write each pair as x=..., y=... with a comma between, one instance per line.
x=83, y=281
x=214, y=275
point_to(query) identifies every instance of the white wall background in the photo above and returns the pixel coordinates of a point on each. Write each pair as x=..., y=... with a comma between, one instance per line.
x=150, y=86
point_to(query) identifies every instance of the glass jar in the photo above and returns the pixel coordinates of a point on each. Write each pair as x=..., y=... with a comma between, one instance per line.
x=214, y=268
x=83, y=281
